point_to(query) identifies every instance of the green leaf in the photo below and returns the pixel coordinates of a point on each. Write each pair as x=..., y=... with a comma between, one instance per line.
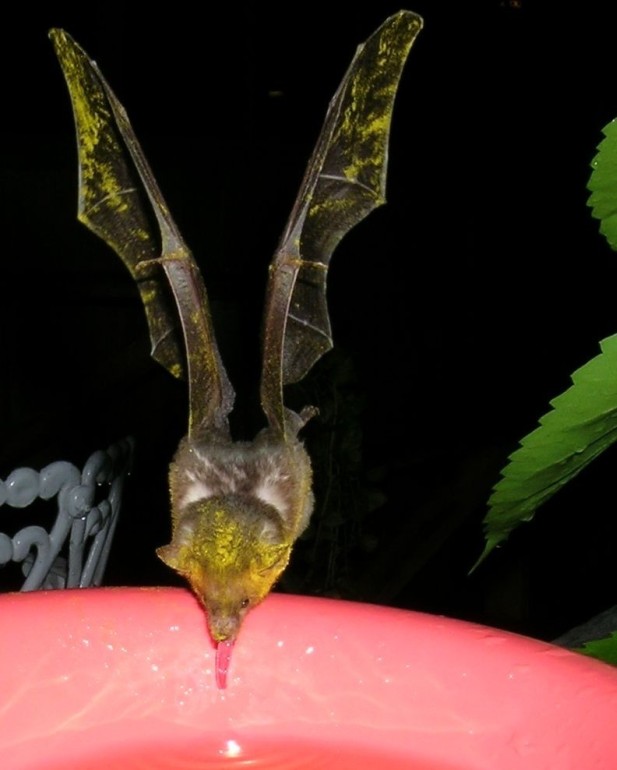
x=602, y=649
x=580, y=426
x=603, y=184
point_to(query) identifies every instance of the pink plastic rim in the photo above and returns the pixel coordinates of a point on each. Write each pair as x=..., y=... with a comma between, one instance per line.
x=124, y=678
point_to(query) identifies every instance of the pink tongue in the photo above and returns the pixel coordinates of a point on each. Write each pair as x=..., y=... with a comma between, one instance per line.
x=221, y=662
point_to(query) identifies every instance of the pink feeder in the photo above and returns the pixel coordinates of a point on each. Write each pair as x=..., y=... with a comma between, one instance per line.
x=121, y=679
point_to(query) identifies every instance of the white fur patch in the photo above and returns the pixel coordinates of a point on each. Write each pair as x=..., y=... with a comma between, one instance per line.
x=196, y=491
x=271, y=494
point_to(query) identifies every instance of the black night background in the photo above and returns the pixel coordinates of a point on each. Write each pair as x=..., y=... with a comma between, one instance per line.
x=458, y=309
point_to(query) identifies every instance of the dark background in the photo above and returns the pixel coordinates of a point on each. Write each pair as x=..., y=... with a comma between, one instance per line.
x=459, y=309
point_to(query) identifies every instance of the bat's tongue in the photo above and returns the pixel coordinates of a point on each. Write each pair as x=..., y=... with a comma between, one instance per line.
x=221, y=662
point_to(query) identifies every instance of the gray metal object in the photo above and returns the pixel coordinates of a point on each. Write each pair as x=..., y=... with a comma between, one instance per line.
x=74, y=552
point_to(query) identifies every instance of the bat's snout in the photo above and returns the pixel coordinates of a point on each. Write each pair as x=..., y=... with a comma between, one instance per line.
x=224, y=627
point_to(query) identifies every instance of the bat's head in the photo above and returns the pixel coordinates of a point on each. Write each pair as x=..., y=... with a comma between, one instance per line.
x=228, y=598
x=231, y=549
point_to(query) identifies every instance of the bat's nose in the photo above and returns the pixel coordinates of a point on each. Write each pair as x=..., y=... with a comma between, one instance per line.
x=224, y=628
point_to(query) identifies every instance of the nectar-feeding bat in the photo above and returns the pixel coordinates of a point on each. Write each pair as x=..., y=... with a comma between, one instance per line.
x=238, y=507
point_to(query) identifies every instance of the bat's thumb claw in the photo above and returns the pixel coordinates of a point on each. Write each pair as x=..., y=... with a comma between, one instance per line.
x=307, y=413
x=294, y=422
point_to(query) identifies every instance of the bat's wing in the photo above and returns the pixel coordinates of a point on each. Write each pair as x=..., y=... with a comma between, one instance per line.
x=120, y=201
x=344, y=181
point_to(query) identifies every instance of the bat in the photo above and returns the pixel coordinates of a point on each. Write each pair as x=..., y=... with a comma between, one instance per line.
x=238, y=506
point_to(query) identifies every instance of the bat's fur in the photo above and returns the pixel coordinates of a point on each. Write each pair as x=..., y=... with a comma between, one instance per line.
x=237, y=510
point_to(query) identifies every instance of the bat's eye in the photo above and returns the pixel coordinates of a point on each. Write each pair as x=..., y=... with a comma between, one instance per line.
x=244, y=603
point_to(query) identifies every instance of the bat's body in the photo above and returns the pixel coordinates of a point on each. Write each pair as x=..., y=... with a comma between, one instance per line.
x=237, y=508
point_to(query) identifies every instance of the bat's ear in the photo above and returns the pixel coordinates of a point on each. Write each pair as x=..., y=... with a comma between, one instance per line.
x=170, y=555
x=272, y=561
